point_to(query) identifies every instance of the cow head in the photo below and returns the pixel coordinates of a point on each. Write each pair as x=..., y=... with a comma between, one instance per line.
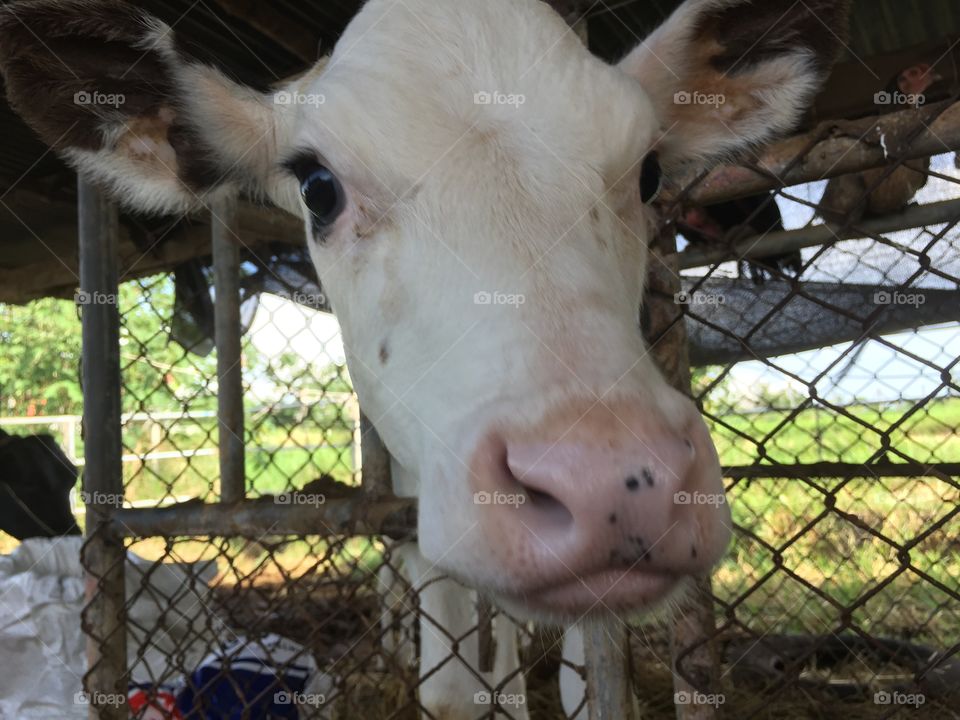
x=475, y=187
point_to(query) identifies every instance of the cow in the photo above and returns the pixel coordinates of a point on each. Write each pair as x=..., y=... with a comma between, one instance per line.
x=36, y=478
x=477, y=194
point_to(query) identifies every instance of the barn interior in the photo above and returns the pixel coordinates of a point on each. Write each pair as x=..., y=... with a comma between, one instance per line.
x=779, y=658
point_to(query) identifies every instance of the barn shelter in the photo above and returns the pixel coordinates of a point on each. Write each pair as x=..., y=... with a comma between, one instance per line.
x=261, y=45
x=816, y=471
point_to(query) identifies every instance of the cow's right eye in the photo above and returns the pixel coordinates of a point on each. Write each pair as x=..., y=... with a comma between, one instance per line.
x=323, y=194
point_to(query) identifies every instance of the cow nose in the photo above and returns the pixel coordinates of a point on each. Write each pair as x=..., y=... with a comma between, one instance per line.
x=576, y=490
x=606, y=488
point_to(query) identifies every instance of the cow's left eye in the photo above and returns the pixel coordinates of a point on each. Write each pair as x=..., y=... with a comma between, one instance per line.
x=651, y=178
x=323, y=194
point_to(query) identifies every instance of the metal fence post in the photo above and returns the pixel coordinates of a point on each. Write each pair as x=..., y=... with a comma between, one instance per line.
x=103, y=555
x=694, y=664
x=226, y=271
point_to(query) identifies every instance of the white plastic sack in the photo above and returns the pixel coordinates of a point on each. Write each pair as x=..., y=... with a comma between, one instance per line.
x=42, y=649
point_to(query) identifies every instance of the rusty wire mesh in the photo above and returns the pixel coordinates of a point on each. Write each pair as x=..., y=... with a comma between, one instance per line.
x=842, y=588
x=841, y=593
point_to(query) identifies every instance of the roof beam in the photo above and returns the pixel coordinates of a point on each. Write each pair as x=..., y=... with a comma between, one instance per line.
x=257, y=226
x=281, y=29
x=832, y=149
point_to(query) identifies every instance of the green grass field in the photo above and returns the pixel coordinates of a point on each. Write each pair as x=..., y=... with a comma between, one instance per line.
x=810, y=550
x=929, y=434
x=801, y=560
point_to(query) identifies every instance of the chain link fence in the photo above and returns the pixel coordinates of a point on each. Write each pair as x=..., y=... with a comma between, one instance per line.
x=834, y=408
x=824, y=359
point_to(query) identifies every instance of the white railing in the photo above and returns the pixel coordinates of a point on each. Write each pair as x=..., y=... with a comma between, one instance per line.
x=67, y=427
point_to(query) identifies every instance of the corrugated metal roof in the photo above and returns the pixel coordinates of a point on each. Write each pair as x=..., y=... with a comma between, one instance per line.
x=887, y=26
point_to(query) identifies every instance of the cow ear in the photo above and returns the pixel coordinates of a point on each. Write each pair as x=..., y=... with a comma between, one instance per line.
x=106, y=86
x=727, y=74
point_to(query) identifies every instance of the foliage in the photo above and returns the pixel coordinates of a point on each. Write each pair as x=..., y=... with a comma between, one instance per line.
x=40, y=358
x=158, y=374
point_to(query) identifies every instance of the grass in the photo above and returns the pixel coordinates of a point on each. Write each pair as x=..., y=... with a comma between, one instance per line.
x=277, y=460
x=800, y=566
x=823, y=435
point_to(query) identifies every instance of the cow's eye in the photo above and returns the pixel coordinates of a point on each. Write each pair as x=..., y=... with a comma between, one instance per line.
x=651, y=178
x=322, y=193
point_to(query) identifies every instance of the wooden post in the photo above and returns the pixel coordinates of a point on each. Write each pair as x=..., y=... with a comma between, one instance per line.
x=226, y=271
x=780, y=242
x=606, y=653
x=103, y=555
x=353, y=514
x=376, y=461
x=692, y=632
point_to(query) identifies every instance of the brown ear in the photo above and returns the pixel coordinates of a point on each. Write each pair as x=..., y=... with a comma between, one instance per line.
x=102, y=82
x=727, y=74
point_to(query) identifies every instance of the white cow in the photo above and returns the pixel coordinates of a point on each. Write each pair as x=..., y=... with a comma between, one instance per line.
x=475, y=188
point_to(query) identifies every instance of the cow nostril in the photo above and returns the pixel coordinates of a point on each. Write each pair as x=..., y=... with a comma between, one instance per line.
x=548, y=507
x=538, y=498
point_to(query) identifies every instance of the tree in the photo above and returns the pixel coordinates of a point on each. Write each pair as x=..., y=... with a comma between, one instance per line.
x=40, y=355
x=40, y=358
